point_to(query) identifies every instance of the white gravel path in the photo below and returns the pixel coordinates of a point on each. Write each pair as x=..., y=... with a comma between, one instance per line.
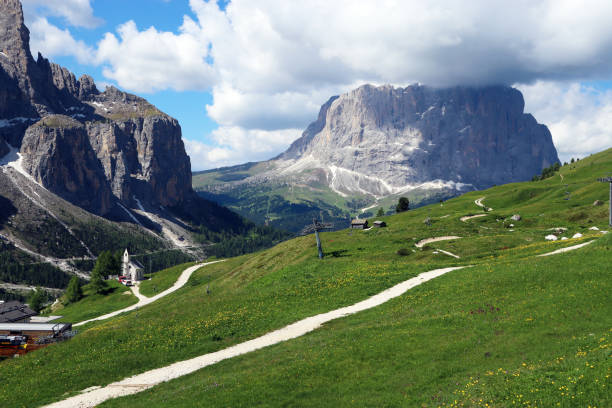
x=132, y=385
x=143, y=300
x=469, y=217
x=480, y=204
x=448, y=253
x=567, y=249
x=424, y=242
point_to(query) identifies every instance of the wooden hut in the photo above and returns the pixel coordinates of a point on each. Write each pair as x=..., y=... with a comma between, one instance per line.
x=379, y=224
x=359, y=224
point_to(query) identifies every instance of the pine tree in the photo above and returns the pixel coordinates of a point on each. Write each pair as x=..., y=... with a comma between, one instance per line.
x=402, y=205
x=380, y=212
x=74, y=292
x=97, y=282
x=37, y=300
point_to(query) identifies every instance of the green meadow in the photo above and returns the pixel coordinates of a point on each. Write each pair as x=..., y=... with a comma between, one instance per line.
x=91, y=305
x=512, y=329
x=159, y=281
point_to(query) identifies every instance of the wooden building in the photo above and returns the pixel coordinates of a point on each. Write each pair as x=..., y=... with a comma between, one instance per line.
x=34, y=330
x=359, y=224
x=15, y=312
x=379, y=224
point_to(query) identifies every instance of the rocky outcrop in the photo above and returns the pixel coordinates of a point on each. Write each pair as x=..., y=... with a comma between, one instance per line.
x=101, y=146
x=381, y=140
x=140, y=148
x=57, y=153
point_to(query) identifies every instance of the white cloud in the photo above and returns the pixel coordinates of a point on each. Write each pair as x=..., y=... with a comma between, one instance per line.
x=77, y=13
x=233, y=145
x=579, y=117
x=271, y=64
x=146, y=61
x=51, y=41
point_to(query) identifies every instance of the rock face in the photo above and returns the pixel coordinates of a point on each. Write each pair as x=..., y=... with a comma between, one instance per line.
x=92, y=148
x=383, y=140
x=58, y=155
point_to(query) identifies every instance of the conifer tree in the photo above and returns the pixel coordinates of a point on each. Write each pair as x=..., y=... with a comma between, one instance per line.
x=74, y=292
x=37, y=300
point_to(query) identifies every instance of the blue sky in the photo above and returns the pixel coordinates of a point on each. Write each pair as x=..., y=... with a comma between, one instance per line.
x=189, y=107
x=244, y=78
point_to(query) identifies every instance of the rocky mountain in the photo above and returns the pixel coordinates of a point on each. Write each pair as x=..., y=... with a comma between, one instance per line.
x=374, y=144
x=77, y=163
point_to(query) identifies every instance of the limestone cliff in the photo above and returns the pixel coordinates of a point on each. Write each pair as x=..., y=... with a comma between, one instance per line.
x=102, y=147
x=383, y=140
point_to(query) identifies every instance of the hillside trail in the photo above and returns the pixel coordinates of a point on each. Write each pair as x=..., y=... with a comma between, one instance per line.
x=94, y=396
x=143, y=300
x=426, y=241
x=132, y=385
x=469, y=217
x=479, y=203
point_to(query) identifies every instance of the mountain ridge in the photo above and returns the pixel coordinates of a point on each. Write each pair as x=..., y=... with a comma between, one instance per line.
x=83, y=171
x=373, y=144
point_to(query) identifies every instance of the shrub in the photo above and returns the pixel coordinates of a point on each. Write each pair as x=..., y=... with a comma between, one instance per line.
x=402, y=205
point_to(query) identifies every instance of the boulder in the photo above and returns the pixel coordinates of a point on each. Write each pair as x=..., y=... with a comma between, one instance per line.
x=597, y=203
x=577, y=235
x=551, y=237
x=516, y=217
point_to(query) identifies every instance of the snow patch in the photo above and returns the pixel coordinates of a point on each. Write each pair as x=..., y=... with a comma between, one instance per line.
x=14, y=159
x=130, y=214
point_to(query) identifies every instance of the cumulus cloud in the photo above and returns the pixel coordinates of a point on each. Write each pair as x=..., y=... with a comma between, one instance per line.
x=51, y=41
x=157, y=60
x=577, y=115
x=77, y=13
x=234, y=145
x=271, y=64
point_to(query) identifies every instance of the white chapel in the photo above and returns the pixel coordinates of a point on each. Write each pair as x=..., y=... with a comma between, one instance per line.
x=132, y=270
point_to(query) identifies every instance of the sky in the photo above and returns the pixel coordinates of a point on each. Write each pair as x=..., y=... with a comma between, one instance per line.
x=245, y=77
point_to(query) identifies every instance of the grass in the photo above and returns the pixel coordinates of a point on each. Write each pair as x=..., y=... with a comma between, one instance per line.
x=420, y=346
x=93, y=305
x=162, y=280
x=528, y=333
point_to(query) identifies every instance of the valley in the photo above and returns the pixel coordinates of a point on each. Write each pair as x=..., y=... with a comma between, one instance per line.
x=445, y=326
x=385, y=243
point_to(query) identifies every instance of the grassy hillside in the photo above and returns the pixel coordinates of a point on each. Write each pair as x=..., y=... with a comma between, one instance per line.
x=92, y=304
x=159, y=281
x=421, y=348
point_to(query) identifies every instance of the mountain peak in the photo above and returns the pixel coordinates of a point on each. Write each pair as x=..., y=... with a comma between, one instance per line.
x=381, y=140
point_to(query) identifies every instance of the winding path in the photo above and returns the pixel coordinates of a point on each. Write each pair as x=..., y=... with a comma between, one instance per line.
x=469, y=217
x=424, y=242
x=149, y=379
x=479, y=203
x=143, y=300
x=570, y=248
x=94, y=396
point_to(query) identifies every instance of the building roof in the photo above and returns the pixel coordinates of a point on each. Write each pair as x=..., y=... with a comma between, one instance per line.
x=51, y=327
x=14, y=311
x=136, y=264
x=359, y=222
x=378, y=222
